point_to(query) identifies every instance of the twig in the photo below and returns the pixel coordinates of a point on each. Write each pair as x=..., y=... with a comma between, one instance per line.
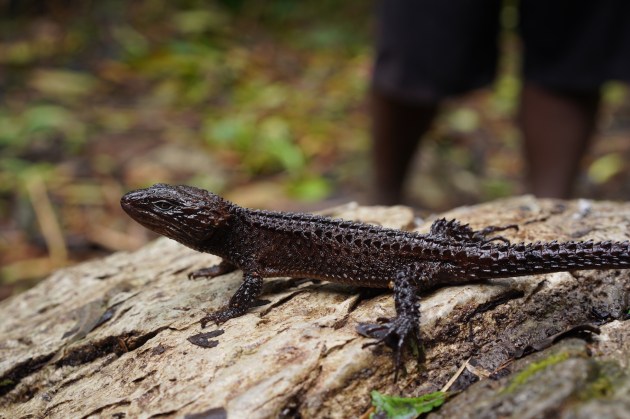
x=48, y=222
x=455, y=376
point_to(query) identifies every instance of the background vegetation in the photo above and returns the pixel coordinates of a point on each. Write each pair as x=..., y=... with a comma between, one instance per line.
x=263, y=101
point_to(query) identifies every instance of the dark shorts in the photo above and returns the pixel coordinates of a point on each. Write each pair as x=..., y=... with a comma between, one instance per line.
x=431, y=49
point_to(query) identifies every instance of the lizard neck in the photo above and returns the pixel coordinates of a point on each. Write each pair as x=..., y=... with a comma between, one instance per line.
x=221, y=240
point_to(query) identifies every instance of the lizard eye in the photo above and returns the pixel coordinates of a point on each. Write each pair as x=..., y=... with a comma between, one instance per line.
x=163, y=205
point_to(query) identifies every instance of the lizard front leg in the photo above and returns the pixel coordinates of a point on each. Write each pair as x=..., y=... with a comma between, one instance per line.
x=222, y=268
x=404, y=327
x=243, y=299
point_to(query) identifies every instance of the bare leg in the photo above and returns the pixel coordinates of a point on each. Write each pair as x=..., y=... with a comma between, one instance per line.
x=396, y=132
x=557, y=127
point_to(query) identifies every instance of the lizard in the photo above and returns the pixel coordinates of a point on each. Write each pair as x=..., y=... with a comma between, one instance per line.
x=275, y=244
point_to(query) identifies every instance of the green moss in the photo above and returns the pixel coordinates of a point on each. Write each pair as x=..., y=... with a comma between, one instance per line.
x=534, y=368
x=603, y=384
x=7, y=382
x=601, y=388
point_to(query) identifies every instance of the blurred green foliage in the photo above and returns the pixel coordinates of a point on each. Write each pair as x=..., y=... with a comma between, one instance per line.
x=247, y=71
x=101, y=97
x=267, y=88
x=262, y=100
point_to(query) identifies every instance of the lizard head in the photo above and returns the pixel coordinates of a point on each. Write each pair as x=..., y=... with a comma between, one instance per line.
x=183, y=213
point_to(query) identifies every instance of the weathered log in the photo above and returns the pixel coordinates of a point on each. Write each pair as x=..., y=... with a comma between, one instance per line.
x=119, y=337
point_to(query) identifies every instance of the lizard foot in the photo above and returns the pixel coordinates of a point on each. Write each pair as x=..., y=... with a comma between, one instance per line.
x=210, y=272
x=453, y=230
x=222, y=268
x=394, y=333
x=481, y=234
x=243, y=299
x=221, y=316
x=228, y=313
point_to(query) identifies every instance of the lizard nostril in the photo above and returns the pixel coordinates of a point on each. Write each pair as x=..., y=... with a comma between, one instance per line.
x=125, y=200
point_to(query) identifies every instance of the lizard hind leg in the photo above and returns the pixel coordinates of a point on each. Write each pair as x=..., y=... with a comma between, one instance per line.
x=454, y=230
x=402, y=329
x=481, y=234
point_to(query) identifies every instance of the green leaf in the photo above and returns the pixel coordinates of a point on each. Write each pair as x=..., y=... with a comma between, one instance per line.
x=63, y=84
x=506, y=91
x=605, y=167
x=276, y=142
x=232, y=131
x=310, y=189
x=41, y=121
x=10, y=130
x=198, y=21
x=132, y=41
x=20, y=53
x=406, y=408
x=464, y=120
x=47, y=118
x=614, y=93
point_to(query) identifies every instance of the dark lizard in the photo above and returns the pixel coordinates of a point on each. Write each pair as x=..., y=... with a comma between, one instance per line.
x=273, y=244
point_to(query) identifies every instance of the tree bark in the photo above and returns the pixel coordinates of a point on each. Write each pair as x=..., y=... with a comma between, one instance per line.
x=119, y=337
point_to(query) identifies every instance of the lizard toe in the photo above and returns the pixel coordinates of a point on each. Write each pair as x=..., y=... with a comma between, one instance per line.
x=396, y=334
x=210, y=272
x=221, y=316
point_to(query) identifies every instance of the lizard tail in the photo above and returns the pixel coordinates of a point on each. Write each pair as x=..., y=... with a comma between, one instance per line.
x=546, y=257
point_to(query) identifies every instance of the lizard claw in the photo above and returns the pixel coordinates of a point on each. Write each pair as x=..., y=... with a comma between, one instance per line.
x=221, y=316
x=202, y=273
x=213, y=271
x=210, y=272
x=395, y=334
x=481, y=234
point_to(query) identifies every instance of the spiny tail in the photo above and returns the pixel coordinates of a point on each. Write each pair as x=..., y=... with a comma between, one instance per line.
x=546, y=257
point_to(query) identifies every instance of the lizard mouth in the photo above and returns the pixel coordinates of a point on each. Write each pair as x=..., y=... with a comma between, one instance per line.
x=135, y=204
x=131, y=203
x=127, y=202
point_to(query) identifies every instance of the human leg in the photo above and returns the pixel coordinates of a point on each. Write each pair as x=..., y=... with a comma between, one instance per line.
x=571, y=47
x=557, y=128
x=397, y=128
x=426, y=51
